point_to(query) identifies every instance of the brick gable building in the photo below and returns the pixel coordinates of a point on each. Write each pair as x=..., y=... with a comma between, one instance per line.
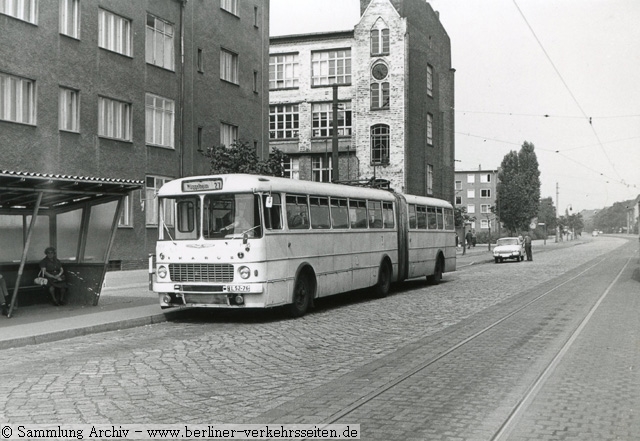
x=395, y=90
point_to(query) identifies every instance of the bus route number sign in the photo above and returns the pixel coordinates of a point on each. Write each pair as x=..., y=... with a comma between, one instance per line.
x=202, y=185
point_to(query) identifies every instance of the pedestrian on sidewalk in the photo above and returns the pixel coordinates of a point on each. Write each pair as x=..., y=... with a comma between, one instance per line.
x=469, y=239
x=527, y=247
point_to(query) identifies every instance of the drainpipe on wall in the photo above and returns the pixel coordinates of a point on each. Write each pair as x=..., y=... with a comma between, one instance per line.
x=181, y=105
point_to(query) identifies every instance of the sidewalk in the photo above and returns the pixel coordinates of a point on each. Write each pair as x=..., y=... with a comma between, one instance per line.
x=126, y=302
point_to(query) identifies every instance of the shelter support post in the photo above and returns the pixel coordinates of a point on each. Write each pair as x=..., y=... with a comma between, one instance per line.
x=23, y=259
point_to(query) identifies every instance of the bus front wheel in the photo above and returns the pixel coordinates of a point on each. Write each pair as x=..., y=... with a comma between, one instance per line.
x=301, y=297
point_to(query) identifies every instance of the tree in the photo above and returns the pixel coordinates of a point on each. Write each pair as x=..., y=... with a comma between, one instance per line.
x=240, y=157
x=547, y=214
x=518, y=188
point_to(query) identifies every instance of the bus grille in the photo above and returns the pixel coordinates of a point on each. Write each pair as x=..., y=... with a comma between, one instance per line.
x=201, y=272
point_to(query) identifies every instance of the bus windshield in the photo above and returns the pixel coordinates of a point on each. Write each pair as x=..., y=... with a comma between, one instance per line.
x=223, y=216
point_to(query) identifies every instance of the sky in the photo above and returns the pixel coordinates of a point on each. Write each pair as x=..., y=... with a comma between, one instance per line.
x=561, y=74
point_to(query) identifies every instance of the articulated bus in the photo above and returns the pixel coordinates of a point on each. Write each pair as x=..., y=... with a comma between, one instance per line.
x=238, y=241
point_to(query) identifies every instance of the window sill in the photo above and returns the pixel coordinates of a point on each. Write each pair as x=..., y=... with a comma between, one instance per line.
x=127, y=141
x=284, y=88
x=161, y=67
x=230, y=82
x=166, y=147
x=319, y=86
x=116, y=53
x=72, y=132
x=19, y=122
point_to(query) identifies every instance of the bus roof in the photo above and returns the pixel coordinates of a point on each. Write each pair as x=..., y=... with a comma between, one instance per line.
x=243, y=183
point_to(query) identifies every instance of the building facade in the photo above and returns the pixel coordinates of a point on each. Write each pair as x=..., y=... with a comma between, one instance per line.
x=475, y=190
x=130, y=90
x=394, y=90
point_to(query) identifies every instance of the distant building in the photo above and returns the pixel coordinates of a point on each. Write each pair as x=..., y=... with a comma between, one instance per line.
x=103, y=88
x=395, y=91
x=475, y=190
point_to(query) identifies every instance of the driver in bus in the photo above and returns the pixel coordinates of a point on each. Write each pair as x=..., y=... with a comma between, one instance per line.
x=239, y=224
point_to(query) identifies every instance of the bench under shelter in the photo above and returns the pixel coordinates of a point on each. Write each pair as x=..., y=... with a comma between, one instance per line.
x=77, y=215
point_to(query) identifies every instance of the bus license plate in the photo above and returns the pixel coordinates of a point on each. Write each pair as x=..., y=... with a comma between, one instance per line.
x=239, y=288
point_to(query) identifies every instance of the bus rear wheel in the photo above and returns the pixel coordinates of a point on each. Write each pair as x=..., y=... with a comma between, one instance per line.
x=301, y=297
x=384, y=280
x=436, y=278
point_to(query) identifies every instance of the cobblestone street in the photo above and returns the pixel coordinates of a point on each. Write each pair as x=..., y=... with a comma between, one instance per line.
x=250, y=367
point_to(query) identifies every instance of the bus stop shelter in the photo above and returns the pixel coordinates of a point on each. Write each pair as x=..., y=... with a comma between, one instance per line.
x=77, y=215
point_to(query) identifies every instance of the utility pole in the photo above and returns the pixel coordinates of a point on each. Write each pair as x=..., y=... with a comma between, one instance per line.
x=557, y=208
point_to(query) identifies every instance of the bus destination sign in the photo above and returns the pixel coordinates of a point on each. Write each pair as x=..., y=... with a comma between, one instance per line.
x=202, y=185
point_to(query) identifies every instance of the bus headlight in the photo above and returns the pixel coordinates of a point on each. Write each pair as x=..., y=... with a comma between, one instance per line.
x=162, y=272
x=244, y=272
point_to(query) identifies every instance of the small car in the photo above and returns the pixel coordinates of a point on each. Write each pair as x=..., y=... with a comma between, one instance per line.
x=509, y=248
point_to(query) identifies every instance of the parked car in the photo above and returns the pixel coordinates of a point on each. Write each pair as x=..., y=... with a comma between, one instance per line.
x=509, y=248
x=595, y=233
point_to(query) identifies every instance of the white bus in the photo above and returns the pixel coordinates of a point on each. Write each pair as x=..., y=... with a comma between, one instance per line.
x=234, y=241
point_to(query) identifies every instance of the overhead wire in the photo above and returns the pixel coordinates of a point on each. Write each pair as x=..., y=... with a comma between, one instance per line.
x=589, y=119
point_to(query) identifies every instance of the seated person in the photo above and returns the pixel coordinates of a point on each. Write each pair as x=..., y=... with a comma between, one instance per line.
x=4, y=296
x=54, y=273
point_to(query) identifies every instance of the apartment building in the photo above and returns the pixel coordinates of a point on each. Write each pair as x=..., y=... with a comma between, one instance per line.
x=475, y=190
x=131, y=90
x=394, y=90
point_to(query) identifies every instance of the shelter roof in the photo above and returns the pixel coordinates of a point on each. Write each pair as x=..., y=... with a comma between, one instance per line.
x=19, y=190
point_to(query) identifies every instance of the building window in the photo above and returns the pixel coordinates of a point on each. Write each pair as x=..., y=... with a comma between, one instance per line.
x=126, y=216
x=160, y=117
x=485, y=224
x=152, y=185
x=228, y=135
x=114, y=119
x=322, y=119
x=379, y=41
x=283, y=71
x=199, y=137
x=26, y=10
x=255, y=16
x=159, y=42
x=471, y=208
x=69, y=114
x=17, y=99
x=283, y=121
x=228, y=66
x=485, y=193
x=291, y=168
x=429, y=179
x=200, y=60
x=485, y=208
x=255, y=81
x=114, y=33
x=70, y=18
x=458, y=200
x=380, y=144
x=321, y=170
x=471, y=193
x=380, y=95
x=471, y=179
x=458, y=185
x=429, y=129
x=331, y=67
x=429, y=80
x=230, y=6
x=485, y=178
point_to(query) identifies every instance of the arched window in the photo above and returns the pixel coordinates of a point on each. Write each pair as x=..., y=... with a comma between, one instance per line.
x=380, y=144
x=380, y=95
x=379, y=41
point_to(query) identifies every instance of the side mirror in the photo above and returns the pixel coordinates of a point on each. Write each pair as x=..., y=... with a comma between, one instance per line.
x=245, y=238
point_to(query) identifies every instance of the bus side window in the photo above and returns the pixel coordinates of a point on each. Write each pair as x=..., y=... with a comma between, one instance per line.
x=440, y=218
x=297, y=212
x=387, y=214
x=273, y=214
x=431, y=218
x=422, y=217
x=448, y=219
x=375, y=214
x=358, y=213
x=319, y=212
x=413, y=220
x=339, y=213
